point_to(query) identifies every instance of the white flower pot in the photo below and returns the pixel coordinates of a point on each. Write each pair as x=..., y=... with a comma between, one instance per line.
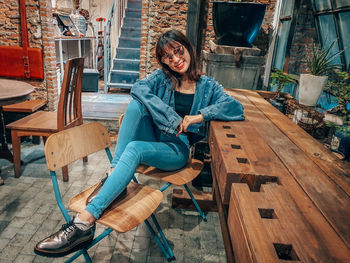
x=310, y=88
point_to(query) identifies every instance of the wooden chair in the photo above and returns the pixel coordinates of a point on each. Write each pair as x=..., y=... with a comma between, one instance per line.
x=44, y=123
x=179, y=177
x=126, y=212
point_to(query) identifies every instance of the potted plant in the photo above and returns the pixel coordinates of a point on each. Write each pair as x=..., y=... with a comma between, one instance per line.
x=339, y=116
x=280, y=79
x=311, y=85
x=237, y=23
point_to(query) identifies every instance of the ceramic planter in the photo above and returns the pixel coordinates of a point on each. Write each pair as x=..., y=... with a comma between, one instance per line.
x=341, y=141
x=310, y=88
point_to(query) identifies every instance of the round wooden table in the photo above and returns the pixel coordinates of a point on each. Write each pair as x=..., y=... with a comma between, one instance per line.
x=11, y=91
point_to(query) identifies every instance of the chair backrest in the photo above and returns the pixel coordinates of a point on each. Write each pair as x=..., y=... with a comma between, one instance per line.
x=69, y=113
x=67, y=146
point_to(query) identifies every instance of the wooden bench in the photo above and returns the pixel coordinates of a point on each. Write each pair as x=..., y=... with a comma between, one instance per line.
x=281, y=195
x=27, y=106
x=22, y=109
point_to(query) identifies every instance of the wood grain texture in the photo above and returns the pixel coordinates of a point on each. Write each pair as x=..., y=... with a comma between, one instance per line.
x=72, y=144
x=178, y=177
x=326, y=194
x=336, y=169
x=25, y=106
x=267, y=152
x=127, y=212
x=261, y=232
x=40, y=121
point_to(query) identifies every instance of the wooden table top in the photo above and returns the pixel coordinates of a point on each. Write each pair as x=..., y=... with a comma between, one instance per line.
x=13, y=90
x=269, y=148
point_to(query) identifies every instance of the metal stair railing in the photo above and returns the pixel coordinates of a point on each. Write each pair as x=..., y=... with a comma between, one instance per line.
x=112, y=31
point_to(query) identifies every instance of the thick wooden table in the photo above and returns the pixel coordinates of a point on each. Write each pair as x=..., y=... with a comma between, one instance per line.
x=281, y=195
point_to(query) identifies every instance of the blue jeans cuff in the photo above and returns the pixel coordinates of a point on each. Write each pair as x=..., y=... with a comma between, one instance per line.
x=92, y=212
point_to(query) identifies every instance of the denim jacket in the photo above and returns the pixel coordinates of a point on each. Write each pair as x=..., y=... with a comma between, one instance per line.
x=156, y=94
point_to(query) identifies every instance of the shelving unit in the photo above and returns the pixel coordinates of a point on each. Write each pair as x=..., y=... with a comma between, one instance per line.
x=69, y=47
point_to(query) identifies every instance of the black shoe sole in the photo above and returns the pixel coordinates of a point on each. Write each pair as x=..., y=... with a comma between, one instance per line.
x=55, y=254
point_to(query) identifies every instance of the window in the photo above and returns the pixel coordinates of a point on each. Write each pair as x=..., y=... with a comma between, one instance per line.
x=332, y=20
x=283, y=38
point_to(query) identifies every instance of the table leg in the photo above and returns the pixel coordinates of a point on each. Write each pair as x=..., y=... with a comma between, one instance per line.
x=4, y=151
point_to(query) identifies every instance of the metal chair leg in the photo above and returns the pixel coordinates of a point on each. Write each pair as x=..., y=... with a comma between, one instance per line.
x=159, y=242
x=160, y=231
x=195, y=203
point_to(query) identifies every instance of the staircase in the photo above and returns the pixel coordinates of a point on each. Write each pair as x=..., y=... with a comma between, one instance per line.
x=125, y=69
x=106, y=108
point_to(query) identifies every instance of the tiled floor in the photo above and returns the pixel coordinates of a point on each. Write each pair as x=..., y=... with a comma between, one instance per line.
x=28, y=213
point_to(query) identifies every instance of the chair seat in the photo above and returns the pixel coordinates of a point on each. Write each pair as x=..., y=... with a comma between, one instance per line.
x=178, y=177
x=43, y=121
x=126, y=213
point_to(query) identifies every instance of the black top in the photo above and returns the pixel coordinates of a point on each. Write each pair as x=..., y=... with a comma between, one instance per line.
x=183, y=105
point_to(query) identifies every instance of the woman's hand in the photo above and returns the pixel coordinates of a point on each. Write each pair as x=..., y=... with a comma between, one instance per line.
x=187, y=121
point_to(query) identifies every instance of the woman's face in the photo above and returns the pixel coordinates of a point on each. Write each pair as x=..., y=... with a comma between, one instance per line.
x=177, y=58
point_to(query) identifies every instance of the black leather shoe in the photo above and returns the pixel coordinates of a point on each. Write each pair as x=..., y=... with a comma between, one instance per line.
x=65, y=241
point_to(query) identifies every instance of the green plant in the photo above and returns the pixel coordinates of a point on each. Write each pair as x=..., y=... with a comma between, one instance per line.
x=320, y=62
x=281, y=79
x=340, y=88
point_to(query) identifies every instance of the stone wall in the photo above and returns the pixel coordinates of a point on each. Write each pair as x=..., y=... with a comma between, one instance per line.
x=159, y=16
x=39, y=21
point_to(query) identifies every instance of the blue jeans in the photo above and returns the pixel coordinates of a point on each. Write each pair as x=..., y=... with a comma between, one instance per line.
x=139, y=142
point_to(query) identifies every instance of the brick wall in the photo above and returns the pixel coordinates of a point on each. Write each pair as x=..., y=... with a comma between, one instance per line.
x=305, y=35
x=40, y=33
x=159, y=16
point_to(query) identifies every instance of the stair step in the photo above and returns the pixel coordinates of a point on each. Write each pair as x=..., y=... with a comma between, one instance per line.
x=120, y=85
x=104, y=107
x=126, y=64
x=124, y=76
x=132, y=12
x=131, y=32
x=136, y=22
x=128, y=53
x=130, y=42
x=135, y=4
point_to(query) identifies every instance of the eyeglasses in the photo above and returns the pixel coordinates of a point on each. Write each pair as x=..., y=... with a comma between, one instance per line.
x=169, y=58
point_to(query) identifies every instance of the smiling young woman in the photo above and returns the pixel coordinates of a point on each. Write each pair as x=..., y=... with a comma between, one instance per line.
x=166, y=116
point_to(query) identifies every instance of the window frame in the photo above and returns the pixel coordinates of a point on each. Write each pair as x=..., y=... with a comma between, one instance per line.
x=334, y=11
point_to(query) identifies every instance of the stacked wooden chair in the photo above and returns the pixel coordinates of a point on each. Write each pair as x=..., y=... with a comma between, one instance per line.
x=44, y=123
x=126, y=212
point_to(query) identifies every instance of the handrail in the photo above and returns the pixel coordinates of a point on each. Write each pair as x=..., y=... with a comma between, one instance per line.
x=112, y=31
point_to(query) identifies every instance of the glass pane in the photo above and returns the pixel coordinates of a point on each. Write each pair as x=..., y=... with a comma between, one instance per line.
x=328, y=35
x=344, y=21
x=321, y=5
x=342, y=3
x=287, y=8
x=281, y=44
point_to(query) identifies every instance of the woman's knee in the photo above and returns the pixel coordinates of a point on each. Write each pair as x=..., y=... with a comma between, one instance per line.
x=135, y=107
x=132, y=150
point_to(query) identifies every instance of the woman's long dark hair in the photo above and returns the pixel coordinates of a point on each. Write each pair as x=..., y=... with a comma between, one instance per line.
x=168, y=39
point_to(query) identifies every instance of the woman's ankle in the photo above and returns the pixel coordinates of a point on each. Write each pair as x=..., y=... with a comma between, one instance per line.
x=86, y=217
